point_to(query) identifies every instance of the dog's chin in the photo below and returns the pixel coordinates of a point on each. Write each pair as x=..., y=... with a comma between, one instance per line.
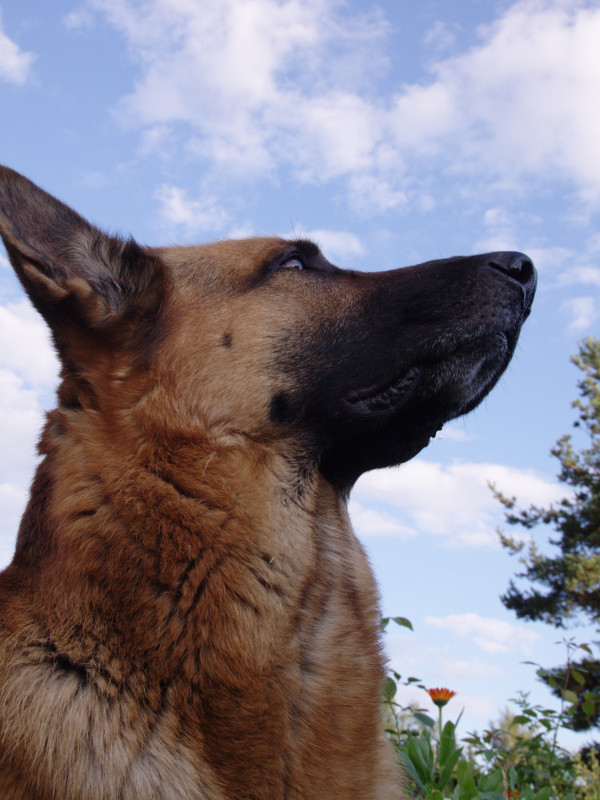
x=455, y=383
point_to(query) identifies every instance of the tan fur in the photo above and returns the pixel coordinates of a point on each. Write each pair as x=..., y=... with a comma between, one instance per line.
x=189, y=613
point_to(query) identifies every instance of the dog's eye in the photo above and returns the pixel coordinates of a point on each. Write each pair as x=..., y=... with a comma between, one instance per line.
x=292, y=263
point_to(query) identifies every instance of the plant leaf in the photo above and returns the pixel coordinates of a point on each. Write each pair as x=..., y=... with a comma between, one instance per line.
x=569, y=696
x=421, y=755
x=588, y=708
x=578, y=677
x=447, y=742
x=447, y=766
x=424, y=719
x=389, y=689
x=465, y=781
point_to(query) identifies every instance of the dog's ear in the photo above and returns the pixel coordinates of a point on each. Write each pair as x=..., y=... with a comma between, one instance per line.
x=82, y=281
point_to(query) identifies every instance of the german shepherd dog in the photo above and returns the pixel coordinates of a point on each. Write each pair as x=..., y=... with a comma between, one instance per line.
x=188, y=614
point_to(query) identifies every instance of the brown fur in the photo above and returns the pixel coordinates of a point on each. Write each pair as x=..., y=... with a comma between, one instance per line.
x=188, y=613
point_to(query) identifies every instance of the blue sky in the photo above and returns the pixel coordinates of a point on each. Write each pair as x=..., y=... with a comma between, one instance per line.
x=392, y=133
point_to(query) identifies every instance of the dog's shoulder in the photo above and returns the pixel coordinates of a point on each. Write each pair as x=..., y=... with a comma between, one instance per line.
x=68, y=735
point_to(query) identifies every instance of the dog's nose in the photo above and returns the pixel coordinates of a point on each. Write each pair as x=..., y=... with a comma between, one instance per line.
x=519, y=267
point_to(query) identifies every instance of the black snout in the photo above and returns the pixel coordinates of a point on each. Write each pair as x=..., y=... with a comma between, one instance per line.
x=520, y=268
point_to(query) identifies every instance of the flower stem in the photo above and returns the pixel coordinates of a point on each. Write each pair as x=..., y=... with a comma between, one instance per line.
x=439, y=747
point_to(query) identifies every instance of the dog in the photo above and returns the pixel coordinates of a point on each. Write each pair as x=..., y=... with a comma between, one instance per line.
x=188, y=613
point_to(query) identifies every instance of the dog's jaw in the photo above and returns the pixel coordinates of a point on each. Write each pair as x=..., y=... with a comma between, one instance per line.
x=384, y=399
x=400, y=419
x=461, y=376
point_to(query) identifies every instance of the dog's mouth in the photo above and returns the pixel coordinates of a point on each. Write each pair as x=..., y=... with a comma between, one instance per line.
x=377, y=399
x=459, y=378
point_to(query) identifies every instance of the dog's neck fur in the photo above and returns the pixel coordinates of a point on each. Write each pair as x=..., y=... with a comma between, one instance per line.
x=157, y=509
x=157, y=591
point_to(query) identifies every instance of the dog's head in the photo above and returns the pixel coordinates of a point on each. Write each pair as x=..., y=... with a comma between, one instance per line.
x=265, y=339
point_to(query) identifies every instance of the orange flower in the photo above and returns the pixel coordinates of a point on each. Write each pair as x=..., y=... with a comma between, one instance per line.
x=440, y=696
x=514, y=793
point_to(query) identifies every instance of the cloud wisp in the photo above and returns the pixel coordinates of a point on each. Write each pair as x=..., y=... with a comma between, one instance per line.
x=452, y=502
x=296, y=85
x=28, y=374
x=194, y=215
x=15, y=64
x=493, y=636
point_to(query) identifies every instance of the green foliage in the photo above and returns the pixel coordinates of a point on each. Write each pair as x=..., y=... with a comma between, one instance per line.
x=587, y=768
x=518, y=758
x=570, y=576
x=402, y=621
x=580, y=685
x=565, y=585
x=435, y=766
x=524, y=748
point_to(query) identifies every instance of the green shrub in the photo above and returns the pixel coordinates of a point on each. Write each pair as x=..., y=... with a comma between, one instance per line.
x=518, y=758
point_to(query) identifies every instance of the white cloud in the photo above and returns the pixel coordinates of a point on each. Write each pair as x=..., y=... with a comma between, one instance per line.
x=243, y=230
x=226, y=68
x=337, y=243
x=491, y=635
x=372, y=194
x=370, y=522
x=418, y=655
x=504, y=229
x=15, y=64
x=334, y=244
x=441, y=35
x=497, y=217
x=522, y=102
x=21, y=418
x=290, y=84
x=202, y=214
x=94, y=179
x=588, y=275
x=452, y=501
x=156, y=141
x=461, y=670
x=25, y=346
x=12, y=503
x=79, y=19
x=593, y=243
x=480, y=705
x=453, y=432
x=28, y=375
x=583, y=313
x=552, y=258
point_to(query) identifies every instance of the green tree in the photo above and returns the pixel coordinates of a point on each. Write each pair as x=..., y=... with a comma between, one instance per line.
x=564, y=584
x=582, y=680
